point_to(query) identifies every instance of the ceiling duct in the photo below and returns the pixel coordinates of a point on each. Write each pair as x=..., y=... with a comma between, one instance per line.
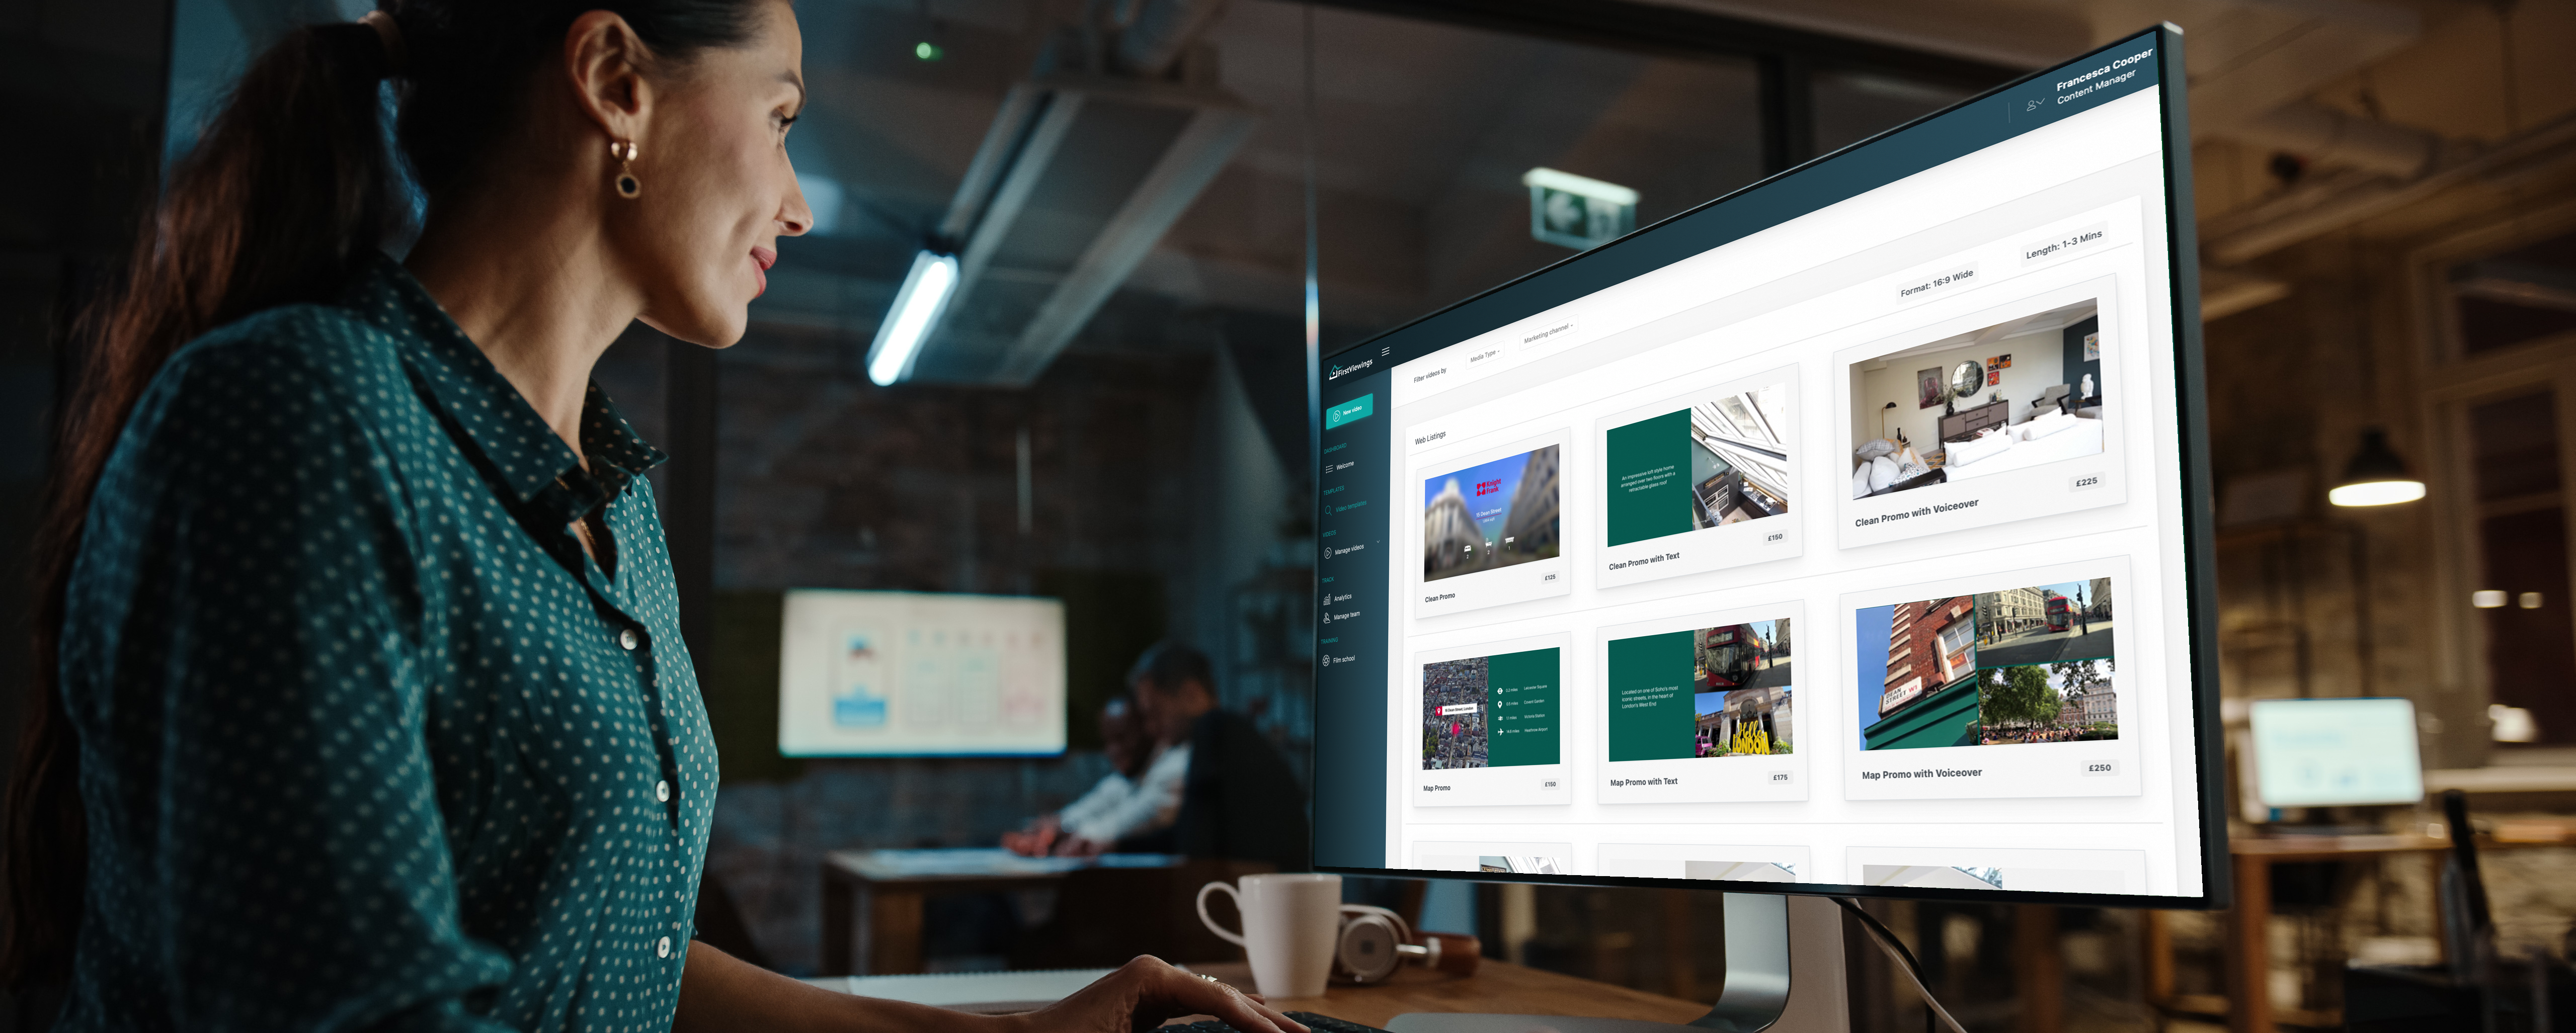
x=1078, y=177
x=2529, y=284
x=2322, y=134
x=1152, y=36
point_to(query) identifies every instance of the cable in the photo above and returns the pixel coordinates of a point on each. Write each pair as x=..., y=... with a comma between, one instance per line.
x=1895, y=948
x=1879, y=931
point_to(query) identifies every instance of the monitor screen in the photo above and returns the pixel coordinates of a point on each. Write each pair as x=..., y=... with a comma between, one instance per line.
x=908, y=674
x=2336, y=752
x=1845, y=534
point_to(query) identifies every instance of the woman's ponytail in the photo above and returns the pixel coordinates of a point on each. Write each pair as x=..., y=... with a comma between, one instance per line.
x=287, y=195
x=290, y=189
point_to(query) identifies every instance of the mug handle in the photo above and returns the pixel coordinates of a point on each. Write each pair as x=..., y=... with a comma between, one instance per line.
x=1221, y=932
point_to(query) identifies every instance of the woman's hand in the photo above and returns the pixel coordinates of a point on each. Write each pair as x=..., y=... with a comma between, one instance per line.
x=1145, y=993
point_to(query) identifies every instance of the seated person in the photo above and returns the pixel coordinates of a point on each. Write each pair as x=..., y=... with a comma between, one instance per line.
x=1240, y=800
x=1140, y=794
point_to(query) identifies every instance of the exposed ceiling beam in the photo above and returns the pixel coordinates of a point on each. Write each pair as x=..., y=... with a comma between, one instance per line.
x=1661, y=29
x=2025, y=37
x=2336, y=202
x=2224, y=293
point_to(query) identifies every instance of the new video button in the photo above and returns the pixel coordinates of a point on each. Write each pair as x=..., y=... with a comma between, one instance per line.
x=1359, y=408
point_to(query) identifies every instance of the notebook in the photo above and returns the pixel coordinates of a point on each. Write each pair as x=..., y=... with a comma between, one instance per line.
x=990, y=993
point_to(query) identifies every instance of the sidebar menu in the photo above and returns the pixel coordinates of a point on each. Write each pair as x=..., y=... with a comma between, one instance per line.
x=1350, y=630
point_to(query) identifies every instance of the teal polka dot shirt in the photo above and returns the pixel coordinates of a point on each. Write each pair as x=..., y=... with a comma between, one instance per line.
x=366, y=740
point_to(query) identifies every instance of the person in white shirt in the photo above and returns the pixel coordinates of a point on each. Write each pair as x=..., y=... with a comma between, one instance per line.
x=1141, y=793
x=1151, y=803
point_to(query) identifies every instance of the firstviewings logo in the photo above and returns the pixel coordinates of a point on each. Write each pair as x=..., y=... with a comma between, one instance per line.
x=1339, y=370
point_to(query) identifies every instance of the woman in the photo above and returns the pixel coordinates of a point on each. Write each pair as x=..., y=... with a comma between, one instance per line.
x=371, y=708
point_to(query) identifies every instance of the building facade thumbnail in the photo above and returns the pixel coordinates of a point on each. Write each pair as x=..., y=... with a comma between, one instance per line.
x=2094, y=704
x=1930, y=646
x=1752, y=721
x=2010, y=612
x=1530, y=530
x=1929, y=697
x=1450, y=537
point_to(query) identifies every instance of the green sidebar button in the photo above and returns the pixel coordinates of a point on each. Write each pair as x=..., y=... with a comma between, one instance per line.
x=1359, y=408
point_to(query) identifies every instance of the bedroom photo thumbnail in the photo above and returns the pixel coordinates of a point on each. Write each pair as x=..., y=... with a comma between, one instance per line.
x=2022, y=665
x=1723, y=460
x=1491, y=515
x=2002, y=397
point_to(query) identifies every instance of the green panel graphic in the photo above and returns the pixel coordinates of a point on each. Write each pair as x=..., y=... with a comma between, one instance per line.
x=1521, y=687
x=1946, y=718
x=1650, y=479
x=1650, y=697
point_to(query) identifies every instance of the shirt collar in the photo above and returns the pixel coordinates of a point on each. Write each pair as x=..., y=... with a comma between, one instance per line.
x=489, y=413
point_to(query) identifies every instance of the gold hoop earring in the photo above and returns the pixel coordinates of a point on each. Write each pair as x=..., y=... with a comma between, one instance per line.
x=624, y=152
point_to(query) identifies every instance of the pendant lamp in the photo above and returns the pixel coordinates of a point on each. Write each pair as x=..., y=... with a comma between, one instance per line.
x=2376, y=476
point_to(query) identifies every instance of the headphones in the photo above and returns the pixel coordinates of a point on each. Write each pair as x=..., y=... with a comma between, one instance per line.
x=1373, y=942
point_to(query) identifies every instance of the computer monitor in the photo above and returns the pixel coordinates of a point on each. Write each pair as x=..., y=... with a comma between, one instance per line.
x=1847, y=534
x=909, y=674
x=2336, y=752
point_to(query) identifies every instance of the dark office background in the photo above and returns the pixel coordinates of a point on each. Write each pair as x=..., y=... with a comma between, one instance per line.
x=1166, y=489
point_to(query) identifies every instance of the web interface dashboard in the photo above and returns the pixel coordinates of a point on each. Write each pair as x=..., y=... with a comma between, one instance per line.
x=1831, y=534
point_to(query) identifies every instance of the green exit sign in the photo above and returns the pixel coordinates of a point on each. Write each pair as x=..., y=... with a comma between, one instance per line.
x=1576, y=211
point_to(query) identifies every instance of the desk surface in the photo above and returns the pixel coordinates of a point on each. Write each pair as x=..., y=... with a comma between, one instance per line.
x=2295, y=847
x=973, y=865
x=2510, y=778
x=1496, y=987
x=2539, y=832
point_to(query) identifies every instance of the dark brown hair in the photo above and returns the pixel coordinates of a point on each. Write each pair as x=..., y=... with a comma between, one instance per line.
x=285, y=197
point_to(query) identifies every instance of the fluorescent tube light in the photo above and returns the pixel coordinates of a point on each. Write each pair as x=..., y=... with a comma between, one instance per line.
x=915, y=314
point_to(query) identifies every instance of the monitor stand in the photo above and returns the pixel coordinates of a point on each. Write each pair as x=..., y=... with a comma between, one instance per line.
x=1768, y=984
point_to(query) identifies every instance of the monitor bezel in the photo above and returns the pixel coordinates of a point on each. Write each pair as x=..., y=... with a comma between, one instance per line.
x=2198, y=530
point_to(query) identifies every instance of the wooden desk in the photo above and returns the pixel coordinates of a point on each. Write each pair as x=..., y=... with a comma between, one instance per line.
x=883, y=891
x=1496, y=987
x=2248, y=1004
x=2249, y=944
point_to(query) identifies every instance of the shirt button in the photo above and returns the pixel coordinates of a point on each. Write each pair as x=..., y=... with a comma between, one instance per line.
x=662, y=791
x=662, y=949
x=627, y=638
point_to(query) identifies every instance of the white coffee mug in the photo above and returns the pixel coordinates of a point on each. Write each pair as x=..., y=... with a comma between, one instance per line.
x=1289, y=924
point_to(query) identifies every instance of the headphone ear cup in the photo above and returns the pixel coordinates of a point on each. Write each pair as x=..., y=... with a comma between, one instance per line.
x=1365, y=950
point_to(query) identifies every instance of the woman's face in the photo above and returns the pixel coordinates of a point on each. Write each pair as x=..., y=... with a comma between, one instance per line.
x=716, y=188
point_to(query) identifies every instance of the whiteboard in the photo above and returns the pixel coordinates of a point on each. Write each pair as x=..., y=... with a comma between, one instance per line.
x=908, y=674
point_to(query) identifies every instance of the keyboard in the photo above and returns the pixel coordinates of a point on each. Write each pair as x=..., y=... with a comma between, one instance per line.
x=1318, y=1023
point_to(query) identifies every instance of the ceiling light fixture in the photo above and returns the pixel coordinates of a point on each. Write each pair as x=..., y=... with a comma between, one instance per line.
x=915, y=314
x=2376, y=476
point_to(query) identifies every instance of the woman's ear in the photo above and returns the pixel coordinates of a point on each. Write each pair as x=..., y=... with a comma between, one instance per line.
x=605, y=61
